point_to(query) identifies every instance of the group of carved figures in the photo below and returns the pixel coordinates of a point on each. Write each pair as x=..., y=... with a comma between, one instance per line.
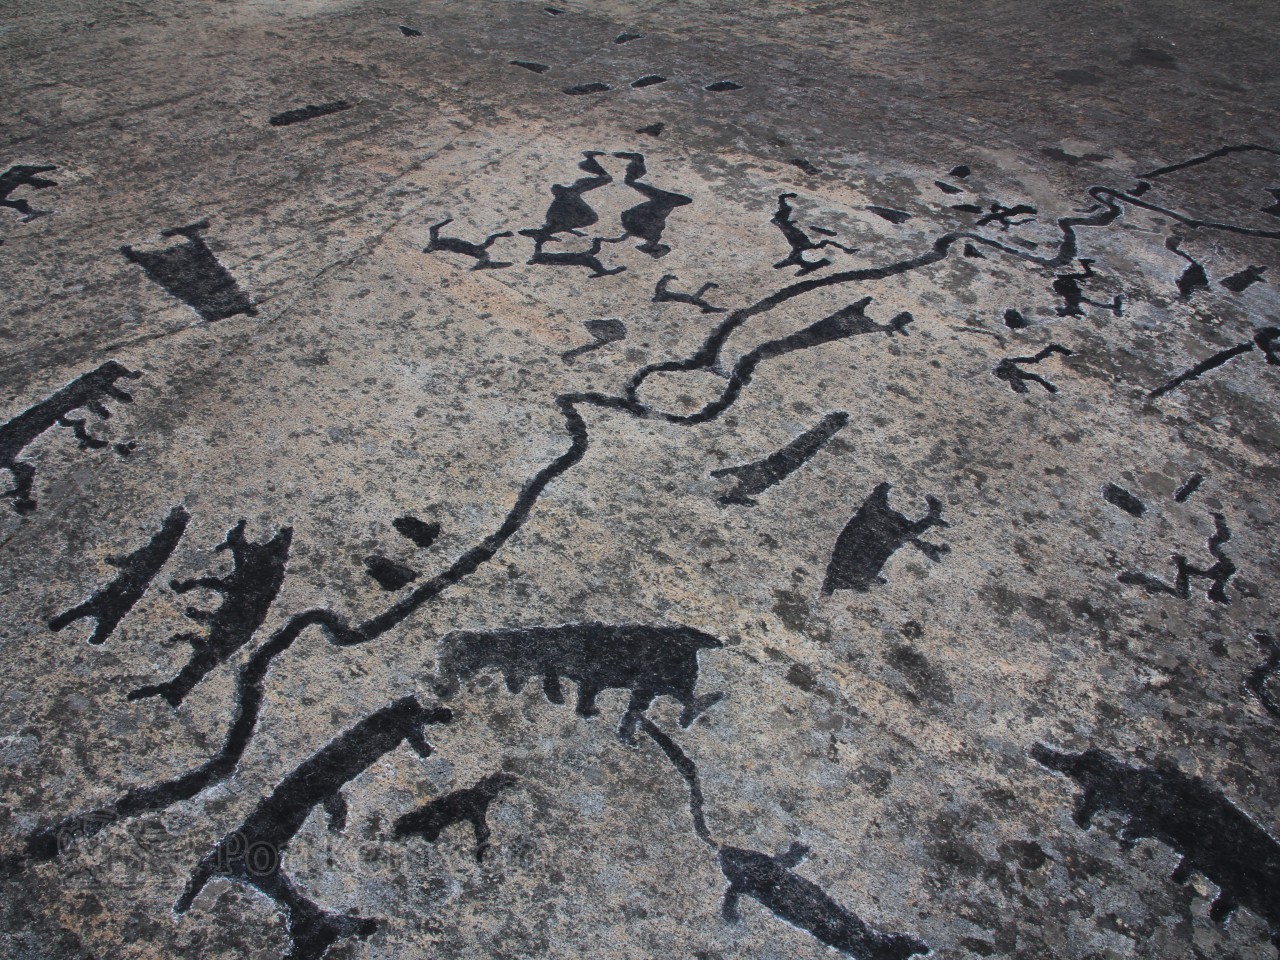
x=1211, y=834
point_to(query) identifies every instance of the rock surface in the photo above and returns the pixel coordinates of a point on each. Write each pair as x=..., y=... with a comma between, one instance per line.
x=630, y=480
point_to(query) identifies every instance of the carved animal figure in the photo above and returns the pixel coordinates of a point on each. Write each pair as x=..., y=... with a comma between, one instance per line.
x=1186, y=813
x=247, y=593
x=799, y=241
x=109, y=605
x=1194, y=277
x=24, y=176
x=580, y=258
x=1067, y=286
x=462, y=806
x=873, y=535
x=88, y=390
x=649, y=219
x=252, y=853
x=1010, y=371
x=663, y=293
x=477, y=251
x=650, y=661
x=193, y=274
x=568, y=212
x=802, y=903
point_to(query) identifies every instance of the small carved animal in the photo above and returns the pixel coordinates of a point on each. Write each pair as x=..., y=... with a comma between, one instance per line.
x=477, y=251
x=873, y=535
x=462, y=806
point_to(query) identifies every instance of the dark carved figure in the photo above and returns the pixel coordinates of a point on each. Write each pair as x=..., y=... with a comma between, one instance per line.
x=1011, y=373
x=568, y=212
x=312, y=110
x=477, y=251
x=650, y=661
x=890, y=214
x=874, y=534
x=1211, y=834
x=800, y=242
x=1188, y=488
x=663, y=293
x=252, y=853
x=604, y=331
x=802, y=903
x=190, y=272
x=755, y=478
x=1274, y=209
x=1120, y=497
x=1067, y=286
x=247, y=593
x=648, y=220
x=1266, y=340
x=1217, y=575
x=89, y=391
x=389, y=574
x=577, y=258
x=1243, y=280
x=420, y=532
x=24, y=176
x=999, y=213
x=108, y=605
x=462, y=806
x=1194, y=277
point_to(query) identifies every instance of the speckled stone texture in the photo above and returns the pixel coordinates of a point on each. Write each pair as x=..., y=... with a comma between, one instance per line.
x=639, y=480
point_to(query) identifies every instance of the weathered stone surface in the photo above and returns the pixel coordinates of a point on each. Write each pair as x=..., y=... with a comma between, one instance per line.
x=735, y=456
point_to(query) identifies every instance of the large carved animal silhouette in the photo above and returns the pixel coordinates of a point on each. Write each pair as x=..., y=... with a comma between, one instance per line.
x=799, y=241
x=873, y=535
x=755, y=478
x=1210, y=833
x=663, y=293
x=1218, y=575
x=462, y=806
x=247, y=593
x=650, y=661
x=1067, y=286
x=477, y=251
x=649, y=219
x=578, y=258
x=568, y=212
x=252, y=853
x=108, y=605
x=24, y=175
x=88, y=390
x=802, y=903
x=190, y=272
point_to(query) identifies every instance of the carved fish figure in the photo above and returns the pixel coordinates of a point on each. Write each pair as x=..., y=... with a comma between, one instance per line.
x=802, y=903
